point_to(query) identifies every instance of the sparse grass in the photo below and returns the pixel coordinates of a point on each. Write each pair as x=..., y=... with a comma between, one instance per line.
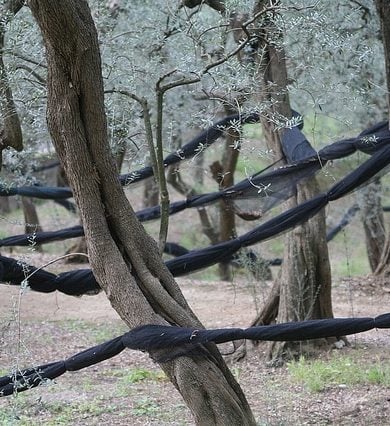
x=317, y=375
x=135, y=376
x=140, y=374
x=55, y=413
x=97, y=332
x=15, y=412
x=145, y=407
x=64, y=414
x=7, y=418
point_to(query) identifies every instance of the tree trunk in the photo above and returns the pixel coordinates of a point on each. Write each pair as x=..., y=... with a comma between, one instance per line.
x=30, y=216
x=10, y=130
x=5, y=207
x=80, y=246
x=303, y=289
x=371, y=213
x=224, y=175
x=383, y=9
x=151, y=193
x=120, y=155
x=227, y=219
x=124, y=259
x=305, y=280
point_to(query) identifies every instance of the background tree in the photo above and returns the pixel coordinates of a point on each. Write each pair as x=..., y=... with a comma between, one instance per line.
x=303, y=289
x=10, y=130
x=383, y=9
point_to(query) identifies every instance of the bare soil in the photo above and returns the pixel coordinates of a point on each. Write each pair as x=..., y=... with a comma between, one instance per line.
x=129, y=389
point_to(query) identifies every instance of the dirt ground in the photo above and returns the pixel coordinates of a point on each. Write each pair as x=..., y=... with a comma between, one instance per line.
x=130, y=390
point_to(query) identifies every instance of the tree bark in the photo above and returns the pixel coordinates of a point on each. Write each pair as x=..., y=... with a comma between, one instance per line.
x=80, y=246
x=224, y=175
x=383, y=9
x=30, y=216
x=10, y=129
x=303, y=289
x=31, y=220
x=151, y=193
x=124, y=259
x=371, y=213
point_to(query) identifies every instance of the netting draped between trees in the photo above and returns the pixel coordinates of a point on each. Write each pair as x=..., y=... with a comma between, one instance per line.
x=81, y=281
x=172, y=341
x=182, y=341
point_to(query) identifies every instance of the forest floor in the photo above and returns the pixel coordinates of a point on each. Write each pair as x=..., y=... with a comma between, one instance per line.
x=131, y=390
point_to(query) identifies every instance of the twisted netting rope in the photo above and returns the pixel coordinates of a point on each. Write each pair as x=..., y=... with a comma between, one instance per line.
x=178, y=341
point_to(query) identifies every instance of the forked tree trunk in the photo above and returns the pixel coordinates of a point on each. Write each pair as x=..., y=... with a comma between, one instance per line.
x=383, y=9
x=303, y=289
x=124, y=259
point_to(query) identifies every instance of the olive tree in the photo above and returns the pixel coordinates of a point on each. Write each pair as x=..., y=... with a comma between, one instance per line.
x=125, y=260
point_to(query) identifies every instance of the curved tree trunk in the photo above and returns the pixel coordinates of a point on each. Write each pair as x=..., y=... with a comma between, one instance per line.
x=5, y=207
x=303, y=289
x=124, y=259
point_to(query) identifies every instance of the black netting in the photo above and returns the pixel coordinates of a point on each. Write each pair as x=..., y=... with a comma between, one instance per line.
x=173, y=341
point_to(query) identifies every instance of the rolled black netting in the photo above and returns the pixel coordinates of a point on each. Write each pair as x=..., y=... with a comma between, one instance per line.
x=153, y=337
x=74, y=283
x=266, y=188
x=369, y=141
x=42, y=192
x=178, y=341
x=222, y=252
x=198, y=144
x=241, y=191
x=283, y=222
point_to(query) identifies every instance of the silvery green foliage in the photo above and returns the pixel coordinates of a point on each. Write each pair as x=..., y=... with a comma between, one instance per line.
x=139, y=51
x=23, y=56
x=336, y=62
x=334, y=58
